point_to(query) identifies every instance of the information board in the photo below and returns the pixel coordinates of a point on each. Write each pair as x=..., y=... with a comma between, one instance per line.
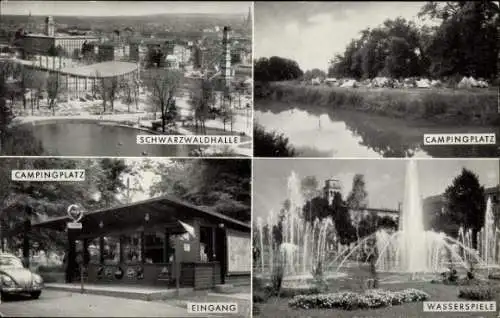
x=238, y=253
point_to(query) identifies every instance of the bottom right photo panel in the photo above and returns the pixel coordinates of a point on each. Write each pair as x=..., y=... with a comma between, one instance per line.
x=376, y=238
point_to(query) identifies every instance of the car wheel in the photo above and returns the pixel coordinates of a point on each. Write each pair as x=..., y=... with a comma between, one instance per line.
x=35, y=295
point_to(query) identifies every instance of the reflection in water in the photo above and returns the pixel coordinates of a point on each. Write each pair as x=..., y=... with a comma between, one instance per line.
x=314, y=132
x=90, y=139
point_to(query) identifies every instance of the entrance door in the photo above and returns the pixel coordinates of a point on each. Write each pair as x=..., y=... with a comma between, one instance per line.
x=220, y=250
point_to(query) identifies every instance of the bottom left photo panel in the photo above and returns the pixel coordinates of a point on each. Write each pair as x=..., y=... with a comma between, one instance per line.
x=127, y=237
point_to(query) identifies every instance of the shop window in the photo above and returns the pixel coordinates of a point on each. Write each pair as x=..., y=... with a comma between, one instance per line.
x=111, y=251
x=132, y=248
x=94, y=250
x=154, y=248
x=206, y=244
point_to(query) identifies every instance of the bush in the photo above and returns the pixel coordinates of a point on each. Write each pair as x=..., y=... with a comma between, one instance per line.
x=495, y=276
x=297, y=291
x=477, y=292
x=271, y=144
x=375, y=298
x=438, y=105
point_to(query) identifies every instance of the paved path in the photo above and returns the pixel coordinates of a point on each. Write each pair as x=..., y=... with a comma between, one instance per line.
x=66, y=304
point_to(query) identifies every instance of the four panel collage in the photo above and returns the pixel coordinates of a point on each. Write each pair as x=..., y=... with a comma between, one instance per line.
x=249, y=159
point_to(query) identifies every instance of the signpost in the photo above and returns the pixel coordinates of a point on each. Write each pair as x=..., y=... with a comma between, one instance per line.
x=75, y=212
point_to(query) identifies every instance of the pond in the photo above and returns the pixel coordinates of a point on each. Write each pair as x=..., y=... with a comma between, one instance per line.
x=92, y=139
x=316, y=132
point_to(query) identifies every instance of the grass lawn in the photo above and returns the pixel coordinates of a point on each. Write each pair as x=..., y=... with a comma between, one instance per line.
x=278, y=307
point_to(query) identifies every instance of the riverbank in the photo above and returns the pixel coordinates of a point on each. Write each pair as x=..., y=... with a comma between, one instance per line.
x=441, y=106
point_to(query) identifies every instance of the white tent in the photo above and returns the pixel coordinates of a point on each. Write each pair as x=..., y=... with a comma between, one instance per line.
x=349, y=84
x=423, y=83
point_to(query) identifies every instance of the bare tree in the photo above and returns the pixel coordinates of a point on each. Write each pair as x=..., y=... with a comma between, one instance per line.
x=109, y=88
x=165, y=83
x=54, y=89
x=127, y=86
x=202, y=98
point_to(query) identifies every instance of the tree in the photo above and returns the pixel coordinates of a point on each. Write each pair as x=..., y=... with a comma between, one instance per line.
x=202, y=99
x=309, y=187
x=6, y=118
x=127, y=87
x=466, y=204
x=357, y=200
x=276, y=69
x=110, y=89
x=343, y=225
x=164, y=84
x=222, y=185
x=53, y=91
x=314, y=73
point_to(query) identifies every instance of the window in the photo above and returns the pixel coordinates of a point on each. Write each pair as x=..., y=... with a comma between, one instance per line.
x=111, y=251
x=94, y=250
x=154, y=248
x=132, y=248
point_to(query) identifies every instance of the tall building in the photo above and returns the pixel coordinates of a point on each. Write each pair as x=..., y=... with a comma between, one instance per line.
x=331, y=187
x=50, y=42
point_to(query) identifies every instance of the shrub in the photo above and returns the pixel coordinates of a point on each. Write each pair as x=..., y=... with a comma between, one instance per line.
x=296, y=291
x=271, y=144
x=374, y=298
x=495, y=276
x=483, y=292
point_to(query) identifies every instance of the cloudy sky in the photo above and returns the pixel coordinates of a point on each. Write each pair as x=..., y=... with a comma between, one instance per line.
x=384, y=178
x=118, y=8
x=311, y=33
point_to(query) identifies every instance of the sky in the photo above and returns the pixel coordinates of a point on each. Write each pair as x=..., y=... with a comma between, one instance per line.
x=385, y=179
x=120, y=8
x=311, y=33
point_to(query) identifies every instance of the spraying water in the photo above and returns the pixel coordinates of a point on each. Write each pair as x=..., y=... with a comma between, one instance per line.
x=304, y=244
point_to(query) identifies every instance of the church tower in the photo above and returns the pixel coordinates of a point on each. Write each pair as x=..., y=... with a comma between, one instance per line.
x=331, y=187
x=248, y=21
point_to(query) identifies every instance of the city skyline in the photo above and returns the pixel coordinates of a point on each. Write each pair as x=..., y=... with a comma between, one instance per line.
x=311, y=33
x=120, y=8
x=385, y=179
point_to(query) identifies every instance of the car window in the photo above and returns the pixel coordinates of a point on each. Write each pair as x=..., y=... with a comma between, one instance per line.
x=10, y=262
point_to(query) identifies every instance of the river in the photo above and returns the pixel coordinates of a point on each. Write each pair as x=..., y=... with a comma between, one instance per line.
x=315, y=132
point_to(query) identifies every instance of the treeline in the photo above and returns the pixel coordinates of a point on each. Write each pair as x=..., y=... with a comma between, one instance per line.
x=464, y=43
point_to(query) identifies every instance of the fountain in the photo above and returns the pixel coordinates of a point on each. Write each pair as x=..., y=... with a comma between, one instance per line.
x=488, y=241
x=304, y=245
x=411, y=249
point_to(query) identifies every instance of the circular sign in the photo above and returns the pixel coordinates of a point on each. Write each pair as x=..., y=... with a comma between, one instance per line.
x=75, y=212
x=119, y=273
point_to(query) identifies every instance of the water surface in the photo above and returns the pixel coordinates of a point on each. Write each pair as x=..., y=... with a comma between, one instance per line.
x=316, y=132
x=93, y=139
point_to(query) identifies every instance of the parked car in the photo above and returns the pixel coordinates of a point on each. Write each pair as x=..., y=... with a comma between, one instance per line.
x=16, y=279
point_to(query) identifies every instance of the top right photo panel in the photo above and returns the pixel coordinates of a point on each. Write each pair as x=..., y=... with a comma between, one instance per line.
x=377, y=79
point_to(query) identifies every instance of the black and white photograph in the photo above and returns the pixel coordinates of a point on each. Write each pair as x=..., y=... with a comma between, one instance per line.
x=125, y=237
x=86, y=78
x=375, y=238
x=377, y=79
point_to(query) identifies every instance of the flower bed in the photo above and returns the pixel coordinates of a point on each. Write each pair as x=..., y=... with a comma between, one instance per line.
x=374, y=298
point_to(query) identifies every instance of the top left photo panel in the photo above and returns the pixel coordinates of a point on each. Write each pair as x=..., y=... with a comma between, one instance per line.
x=126, y=78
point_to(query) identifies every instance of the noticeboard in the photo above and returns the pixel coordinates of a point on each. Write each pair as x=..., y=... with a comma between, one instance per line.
x=238, y=252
